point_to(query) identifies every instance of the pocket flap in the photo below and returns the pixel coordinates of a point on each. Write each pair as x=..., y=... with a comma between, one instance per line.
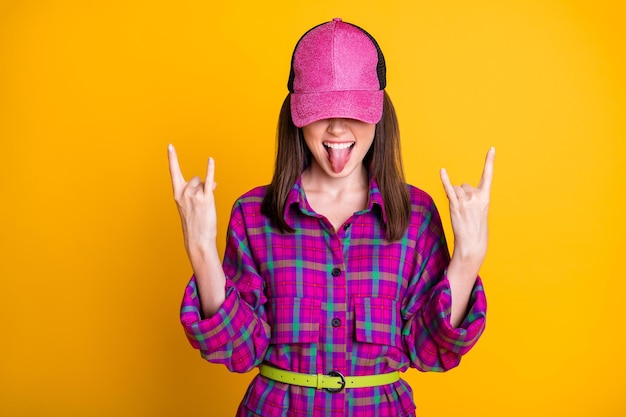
x=377, y=320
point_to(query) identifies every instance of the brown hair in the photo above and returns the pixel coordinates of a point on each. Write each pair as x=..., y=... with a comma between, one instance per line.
x=384, y=162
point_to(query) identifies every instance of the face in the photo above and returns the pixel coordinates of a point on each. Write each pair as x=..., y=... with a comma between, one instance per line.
x=338, y=145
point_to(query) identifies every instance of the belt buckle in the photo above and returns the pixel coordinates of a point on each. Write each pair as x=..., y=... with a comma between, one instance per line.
x=343, y=382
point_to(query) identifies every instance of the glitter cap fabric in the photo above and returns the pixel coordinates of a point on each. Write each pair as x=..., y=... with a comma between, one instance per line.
x=337, y=70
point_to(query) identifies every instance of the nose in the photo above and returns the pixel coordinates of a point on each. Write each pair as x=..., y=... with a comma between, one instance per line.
x=337, y=125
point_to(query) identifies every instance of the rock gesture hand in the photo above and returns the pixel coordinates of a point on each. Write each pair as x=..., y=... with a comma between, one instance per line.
x=196, y=206
x=195, y=203
x=469, y=209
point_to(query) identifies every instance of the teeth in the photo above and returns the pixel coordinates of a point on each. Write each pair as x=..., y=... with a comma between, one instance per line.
x=338, y=145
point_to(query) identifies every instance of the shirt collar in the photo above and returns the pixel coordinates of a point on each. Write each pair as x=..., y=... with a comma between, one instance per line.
x=297, y=197
x=376, y=198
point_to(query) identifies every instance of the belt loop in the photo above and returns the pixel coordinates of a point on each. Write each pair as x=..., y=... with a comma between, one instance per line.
x=318, y=380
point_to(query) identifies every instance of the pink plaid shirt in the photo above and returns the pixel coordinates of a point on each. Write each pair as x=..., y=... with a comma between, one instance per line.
x=320, y=300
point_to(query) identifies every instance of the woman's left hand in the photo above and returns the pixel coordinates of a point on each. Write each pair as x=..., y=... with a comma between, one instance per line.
x=469, y=208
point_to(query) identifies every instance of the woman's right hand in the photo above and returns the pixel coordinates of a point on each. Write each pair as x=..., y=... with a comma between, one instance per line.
x=196, y=206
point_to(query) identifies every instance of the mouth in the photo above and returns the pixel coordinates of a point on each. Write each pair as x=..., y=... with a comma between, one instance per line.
x=338, y=146
x=338, y=154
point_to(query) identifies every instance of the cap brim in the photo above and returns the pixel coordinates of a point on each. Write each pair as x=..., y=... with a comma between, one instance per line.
x=366, y=106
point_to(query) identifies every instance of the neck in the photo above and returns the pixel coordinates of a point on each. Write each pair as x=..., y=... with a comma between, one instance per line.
x=315, y=179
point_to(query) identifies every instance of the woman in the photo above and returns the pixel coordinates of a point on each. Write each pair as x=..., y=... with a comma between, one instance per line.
x=336, y=276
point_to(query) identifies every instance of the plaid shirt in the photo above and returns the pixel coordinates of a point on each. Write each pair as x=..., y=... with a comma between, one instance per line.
x=319, y=300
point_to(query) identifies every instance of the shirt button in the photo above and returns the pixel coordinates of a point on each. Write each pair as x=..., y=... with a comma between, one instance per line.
x=346, y=226
x=336, y=322
x=336, y=272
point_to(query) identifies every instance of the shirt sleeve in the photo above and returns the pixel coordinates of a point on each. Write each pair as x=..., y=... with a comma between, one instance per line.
x=430, y=340
x=238, y=334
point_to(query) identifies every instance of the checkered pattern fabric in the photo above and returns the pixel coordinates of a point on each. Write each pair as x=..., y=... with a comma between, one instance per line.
x=321, y=300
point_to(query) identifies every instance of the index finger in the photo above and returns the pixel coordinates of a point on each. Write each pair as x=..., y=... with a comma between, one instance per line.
x=487, y=177
x=447, y=186
x=210, y=176
x=178, y=181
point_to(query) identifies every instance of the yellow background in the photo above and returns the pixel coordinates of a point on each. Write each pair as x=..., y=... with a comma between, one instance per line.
x=92, y=265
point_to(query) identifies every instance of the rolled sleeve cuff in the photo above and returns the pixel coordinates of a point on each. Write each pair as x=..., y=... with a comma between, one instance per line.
x=437, y=318
x=212, y=333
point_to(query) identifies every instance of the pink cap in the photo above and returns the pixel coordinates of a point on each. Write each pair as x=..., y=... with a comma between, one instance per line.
x=337, y=70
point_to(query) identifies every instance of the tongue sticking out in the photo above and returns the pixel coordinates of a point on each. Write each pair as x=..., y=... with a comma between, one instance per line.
x=339, y=158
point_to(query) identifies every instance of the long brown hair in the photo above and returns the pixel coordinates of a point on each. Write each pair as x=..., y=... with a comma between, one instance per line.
x=383, y=160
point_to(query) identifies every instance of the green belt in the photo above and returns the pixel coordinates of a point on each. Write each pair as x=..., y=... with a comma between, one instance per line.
x=333, y=381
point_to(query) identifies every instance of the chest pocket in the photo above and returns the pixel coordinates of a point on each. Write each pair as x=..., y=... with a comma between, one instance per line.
x=377, y=320
x=294, y=320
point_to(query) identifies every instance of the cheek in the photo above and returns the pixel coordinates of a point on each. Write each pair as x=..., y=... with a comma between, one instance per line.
x=311, y=146
x=367, y=131
x=311, y=135
x=308, y=141
x=368, y=135
x=314, y=130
